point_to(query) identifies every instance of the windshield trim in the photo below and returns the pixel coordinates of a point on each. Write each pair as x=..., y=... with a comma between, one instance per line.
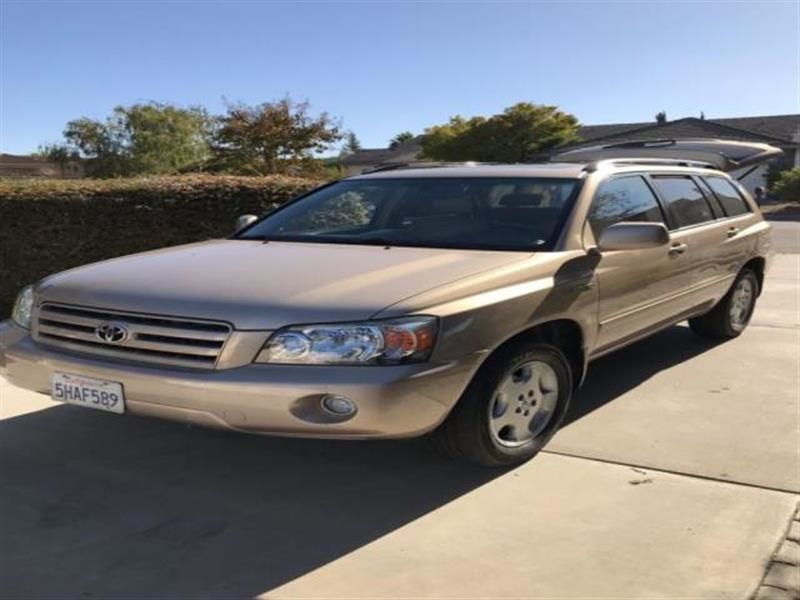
x=547, y=246
x=300, y=239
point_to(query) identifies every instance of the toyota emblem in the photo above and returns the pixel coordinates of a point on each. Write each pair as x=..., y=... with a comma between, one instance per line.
x=111, y=333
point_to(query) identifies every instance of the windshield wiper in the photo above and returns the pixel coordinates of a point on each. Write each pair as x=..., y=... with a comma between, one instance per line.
x=367, y=241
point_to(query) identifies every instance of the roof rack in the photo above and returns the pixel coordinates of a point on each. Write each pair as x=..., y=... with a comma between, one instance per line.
x=669, y=162
x=423, y=165
x=642, y=143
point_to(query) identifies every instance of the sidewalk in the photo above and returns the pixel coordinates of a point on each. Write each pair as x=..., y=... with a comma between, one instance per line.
x=676, y=477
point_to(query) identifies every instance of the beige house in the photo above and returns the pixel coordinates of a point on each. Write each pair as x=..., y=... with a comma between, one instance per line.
x=373, y=157
x=782, y=131
x=13, y=165
x=779, y=130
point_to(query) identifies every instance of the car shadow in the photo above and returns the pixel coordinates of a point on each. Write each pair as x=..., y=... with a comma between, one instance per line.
x=96, y=506
x=612, y=375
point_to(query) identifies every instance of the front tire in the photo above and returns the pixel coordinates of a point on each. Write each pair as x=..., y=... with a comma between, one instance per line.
x=512, y=407
x=730, y=316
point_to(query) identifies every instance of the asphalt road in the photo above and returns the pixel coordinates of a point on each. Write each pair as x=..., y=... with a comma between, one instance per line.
x=675, y=476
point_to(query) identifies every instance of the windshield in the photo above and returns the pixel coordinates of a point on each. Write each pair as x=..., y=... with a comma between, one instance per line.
x=486, y=213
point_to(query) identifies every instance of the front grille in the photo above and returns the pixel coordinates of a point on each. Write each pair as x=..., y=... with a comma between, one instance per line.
x=152, y=339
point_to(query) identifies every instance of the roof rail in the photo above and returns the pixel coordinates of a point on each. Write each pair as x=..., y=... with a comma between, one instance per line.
x=669, y=162
x=642, y=143
x=422, y=164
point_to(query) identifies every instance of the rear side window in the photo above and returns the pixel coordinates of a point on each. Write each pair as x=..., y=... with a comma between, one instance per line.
x=732, y=202
x=623, y=199
x=685, y=201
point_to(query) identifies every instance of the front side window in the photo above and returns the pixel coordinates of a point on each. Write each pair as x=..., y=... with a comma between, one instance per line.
x=732, y=202
x=488, y=213
x=685, y=201
x=623, y=199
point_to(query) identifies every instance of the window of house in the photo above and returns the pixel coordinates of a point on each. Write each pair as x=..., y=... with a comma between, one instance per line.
x=727, y=194
x=623, y=199
x=684, y=199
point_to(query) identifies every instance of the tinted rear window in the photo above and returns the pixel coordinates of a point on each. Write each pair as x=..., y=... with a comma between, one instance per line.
x=684, y=199
x=732, y=202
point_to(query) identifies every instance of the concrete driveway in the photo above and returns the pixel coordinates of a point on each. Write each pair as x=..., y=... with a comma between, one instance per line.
x=675, y=477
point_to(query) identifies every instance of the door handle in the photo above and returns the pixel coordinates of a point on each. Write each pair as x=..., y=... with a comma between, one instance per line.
x=678, y=248
x=733, y=231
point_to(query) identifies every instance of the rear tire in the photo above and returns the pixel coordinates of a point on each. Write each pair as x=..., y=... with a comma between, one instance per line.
x=730, y=316
x=511, y=408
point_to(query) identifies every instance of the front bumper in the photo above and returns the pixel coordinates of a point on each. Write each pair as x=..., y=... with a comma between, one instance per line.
x=392, y=401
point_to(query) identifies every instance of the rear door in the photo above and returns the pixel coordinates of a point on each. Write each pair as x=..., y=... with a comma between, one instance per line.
x=741, y=225
x=698, y=232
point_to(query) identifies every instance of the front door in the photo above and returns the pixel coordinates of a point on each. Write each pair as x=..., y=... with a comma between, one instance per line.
x=634, y=286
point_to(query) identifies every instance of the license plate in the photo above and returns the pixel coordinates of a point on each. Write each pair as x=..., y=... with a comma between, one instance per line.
x=88, y=392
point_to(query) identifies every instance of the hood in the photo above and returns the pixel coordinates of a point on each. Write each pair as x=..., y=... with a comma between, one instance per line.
x=254, y=285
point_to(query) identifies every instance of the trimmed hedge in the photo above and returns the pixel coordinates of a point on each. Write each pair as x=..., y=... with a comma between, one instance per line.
x=787, y=185
x=47, y=226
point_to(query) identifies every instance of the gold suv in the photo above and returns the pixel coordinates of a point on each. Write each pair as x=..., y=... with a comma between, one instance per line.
x=463, y=301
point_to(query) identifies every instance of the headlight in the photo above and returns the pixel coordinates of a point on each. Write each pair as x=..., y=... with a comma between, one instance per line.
x=23, y=306
x=393, y=341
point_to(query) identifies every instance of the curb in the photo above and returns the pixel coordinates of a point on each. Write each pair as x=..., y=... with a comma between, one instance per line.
x=782, y=578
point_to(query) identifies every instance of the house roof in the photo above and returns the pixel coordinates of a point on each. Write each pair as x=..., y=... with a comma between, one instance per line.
x=406, y=152
x=780, y=130
x=779, y=126
x=777, y=129
x=16, y=159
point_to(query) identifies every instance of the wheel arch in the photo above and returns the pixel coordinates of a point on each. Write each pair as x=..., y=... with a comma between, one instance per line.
x=565, y=334
x=758, y=265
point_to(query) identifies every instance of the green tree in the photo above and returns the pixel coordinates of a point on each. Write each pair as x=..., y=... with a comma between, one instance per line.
x=787, y=185
x=401, y=138
x=661, y=117
x=165, y=139
x=148, y=138
x=517, y=134
x=351, y=143
x=274, y=137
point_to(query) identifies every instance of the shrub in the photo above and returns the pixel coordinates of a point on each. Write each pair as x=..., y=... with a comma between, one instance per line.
x=787, y=185
x=47, y=226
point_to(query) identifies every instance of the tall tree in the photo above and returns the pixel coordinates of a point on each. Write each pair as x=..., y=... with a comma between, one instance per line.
x=351, y=143
x=661, y=117
x=166, y=138
x=274, y=137
x=147, y=138
x=517, y=134
x=401, y=138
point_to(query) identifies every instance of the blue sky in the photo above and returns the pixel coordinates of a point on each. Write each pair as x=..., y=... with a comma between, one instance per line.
x=384, y=67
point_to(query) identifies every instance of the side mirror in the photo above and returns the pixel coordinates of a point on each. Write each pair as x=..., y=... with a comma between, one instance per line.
x=243, y=221
x=633, y=236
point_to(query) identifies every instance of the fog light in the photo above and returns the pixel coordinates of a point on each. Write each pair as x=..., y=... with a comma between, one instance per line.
x=338, y=406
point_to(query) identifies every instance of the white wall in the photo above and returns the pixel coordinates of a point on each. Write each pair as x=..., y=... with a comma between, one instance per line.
x=757, y=178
